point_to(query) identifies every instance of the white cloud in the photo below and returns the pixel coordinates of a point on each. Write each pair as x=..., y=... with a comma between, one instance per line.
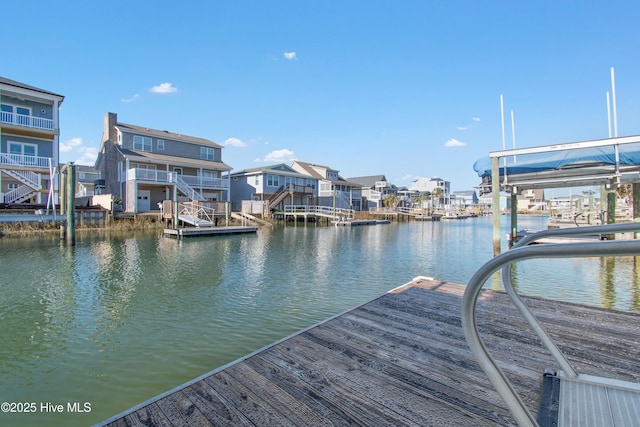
x=463, y=127
x=408, y=177
x=475, y=119
x=164, y=88
x=290, y=56
x=75, y=151
x=88, y=156
x=279, y=156
x=454, y=143
x=71, y=144
x=234, y=142
x=133, y=98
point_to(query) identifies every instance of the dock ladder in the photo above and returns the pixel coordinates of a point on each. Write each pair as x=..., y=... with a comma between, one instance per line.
x=579, y=399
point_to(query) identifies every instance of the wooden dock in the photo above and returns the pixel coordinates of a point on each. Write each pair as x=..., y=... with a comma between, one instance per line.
x=207, y=231
x=357, y=222
x=400, y=359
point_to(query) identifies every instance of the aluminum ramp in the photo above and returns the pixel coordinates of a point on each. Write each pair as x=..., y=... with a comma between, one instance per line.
x=194, y=220
x=568, y=398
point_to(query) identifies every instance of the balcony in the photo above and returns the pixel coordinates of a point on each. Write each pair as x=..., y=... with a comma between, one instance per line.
x=171, y=178
x=20, y=161
x=26, y=121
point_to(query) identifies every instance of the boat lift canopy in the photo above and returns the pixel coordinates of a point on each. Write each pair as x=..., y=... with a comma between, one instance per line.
x=608, y=162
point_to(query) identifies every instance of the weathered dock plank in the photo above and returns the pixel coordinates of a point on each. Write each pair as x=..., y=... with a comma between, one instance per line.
x=400, y=359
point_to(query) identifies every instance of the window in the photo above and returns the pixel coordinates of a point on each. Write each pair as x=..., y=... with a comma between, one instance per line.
x=22, y=115
x=23, y=153
x=272, y=180
x=289, y=180
x=141, y=143
x=207, y=174
x=178, y=171
x=140, y=166
x=160, y=144
x=206, y=153
x=12, y=186
x=310, y=183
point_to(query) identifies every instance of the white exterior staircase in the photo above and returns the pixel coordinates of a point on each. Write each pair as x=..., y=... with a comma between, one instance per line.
x=187, y=190
x=31, y=184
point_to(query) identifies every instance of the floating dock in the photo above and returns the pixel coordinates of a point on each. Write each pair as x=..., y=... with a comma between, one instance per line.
x=356, y=222
x=400, y=359
x=207, y=231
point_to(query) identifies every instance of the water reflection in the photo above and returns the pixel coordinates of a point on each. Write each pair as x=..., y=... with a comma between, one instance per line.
x=120, y=318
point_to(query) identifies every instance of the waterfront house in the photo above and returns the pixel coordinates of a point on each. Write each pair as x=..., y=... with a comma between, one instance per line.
x=88, y=182
x=485, y=202
x=374, y=189
x=532, y=201
x=423, y=185
x=275, y=186
x=464, y=199
x=143, y=166
x=29, y=144
x=333, y=190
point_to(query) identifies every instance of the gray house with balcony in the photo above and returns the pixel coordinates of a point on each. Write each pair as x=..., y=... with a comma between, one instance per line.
x=333, y=190
x=29, y=143
x=277, y=185
x=143, y=166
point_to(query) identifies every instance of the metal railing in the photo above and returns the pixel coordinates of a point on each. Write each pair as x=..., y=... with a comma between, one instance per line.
x=504, y=261
x=327, y=211
x=196, y=210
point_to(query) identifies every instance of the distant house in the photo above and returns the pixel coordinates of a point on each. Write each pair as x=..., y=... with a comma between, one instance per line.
x=29, y=144
x=532, y=201
x=374, y=188
x=464, y=199
x=333, y=190
x=86, y=179
x=278, y=185
x=144, y=166
x=485, y=202
x=424, y=185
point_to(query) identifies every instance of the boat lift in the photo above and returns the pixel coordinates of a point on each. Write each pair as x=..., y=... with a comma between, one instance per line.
x=572, y=398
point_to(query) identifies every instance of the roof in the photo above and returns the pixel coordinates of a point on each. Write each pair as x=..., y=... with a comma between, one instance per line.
x=310, y=170
x=367, y=181
x=596, y=162
x=124, y=127
x=145, y=157
x=279, y=169
x=9, y=82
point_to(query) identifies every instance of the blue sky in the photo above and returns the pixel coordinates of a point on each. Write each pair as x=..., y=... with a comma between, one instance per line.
x=402, y=88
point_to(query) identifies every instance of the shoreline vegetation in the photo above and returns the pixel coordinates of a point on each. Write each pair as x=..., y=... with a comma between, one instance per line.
x=31, y=229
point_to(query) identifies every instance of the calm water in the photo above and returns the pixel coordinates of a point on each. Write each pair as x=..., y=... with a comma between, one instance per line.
x=121, y=318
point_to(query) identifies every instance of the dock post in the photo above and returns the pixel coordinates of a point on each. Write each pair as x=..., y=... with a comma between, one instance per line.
x=495, y=197
x=70, y=171
x=514, y=216
x=63, y=198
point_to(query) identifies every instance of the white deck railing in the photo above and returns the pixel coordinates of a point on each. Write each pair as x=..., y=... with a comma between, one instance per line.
x=20, y=160
x=154, y=175
x=327, y=211
x=26, y=121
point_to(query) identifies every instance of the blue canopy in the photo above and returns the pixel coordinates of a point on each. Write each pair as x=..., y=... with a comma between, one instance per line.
x=561, y=159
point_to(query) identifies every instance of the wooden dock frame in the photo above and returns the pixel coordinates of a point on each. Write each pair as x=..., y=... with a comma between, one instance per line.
x=400, y=359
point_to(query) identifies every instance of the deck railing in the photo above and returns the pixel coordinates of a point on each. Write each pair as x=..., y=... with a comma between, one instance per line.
x=24, y=161
x=26, y=121
x=161, y=176
x=327, y=211
x=522, y=252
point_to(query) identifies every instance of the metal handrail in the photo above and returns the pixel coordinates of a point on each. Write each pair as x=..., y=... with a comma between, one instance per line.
x=504, y=261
